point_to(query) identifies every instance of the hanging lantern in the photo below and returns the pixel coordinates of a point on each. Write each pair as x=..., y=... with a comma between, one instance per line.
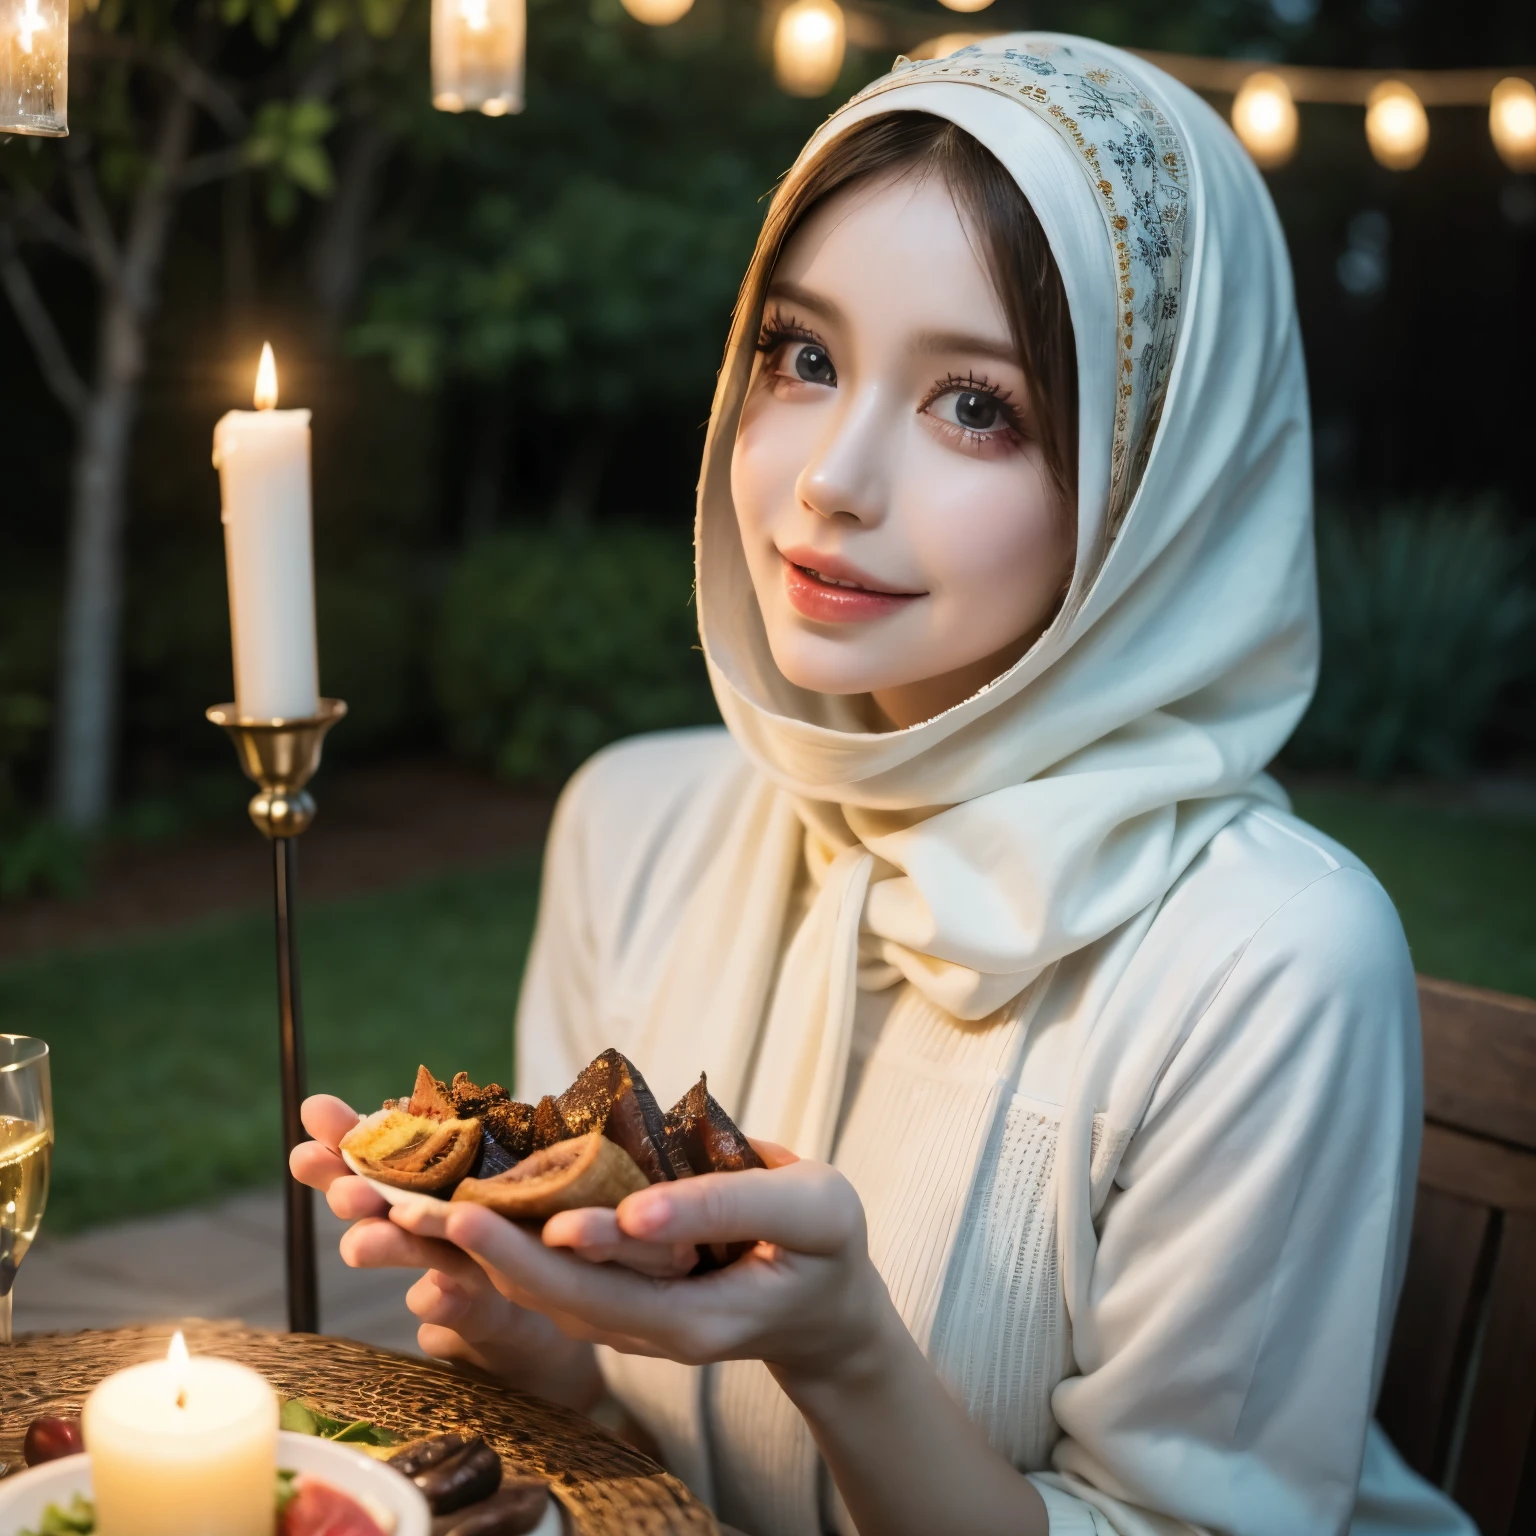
x=808, y=47
x=477, y=56
x=658, y=13
x=1264, y=118
x=1396, y=125
x=1512, y=122
x=34, y=67
x=966, y=5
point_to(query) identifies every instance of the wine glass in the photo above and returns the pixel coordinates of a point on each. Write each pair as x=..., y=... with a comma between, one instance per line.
x=26, y=1151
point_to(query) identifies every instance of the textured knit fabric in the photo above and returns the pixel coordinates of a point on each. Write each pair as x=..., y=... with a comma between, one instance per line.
x=1250, y=1197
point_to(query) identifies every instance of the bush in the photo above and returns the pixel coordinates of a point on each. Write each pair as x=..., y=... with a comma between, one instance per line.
x=550, y=645
x=1427, y=622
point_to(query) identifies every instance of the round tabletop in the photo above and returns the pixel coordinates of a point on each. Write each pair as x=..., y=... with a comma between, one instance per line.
x=606, y=1487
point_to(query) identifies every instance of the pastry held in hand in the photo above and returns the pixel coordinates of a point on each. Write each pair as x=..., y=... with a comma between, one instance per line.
x=411, y=1151
x=581, y=1171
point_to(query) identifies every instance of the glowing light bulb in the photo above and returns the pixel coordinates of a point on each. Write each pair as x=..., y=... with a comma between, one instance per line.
x=808, y=47
x=477, y=55
x=265, y=400
x=1396, y=125
x=658, y=13
x=1264, y=118
x=1512, y=123
x=967, y=6
x=34, y=67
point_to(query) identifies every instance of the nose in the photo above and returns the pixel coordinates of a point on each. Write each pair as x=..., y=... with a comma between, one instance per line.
x=847, y=476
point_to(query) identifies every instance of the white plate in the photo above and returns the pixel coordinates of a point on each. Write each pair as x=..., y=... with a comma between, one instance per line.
x=391, y=1195
x=25, y=1496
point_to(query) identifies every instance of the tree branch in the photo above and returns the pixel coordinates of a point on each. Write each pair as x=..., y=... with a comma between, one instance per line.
x=37, y=218
x=91, y=210
x=186, y=73
x=58, y=371
x=214, y=166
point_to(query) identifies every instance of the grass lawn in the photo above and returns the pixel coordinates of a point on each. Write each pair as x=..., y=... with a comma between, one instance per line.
x=165, y=1048
x=165, y=1058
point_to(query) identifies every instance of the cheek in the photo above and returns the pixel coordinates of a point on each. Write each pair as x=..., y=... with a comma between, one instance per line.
x=765, y=463
x=991, y=538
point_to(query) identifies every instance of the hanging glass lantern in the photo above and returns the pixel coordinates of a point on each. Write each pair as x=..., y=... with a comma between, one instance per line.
x=477, y=55
x=1396, y=125
x=808, y=47
x=658, y=13
x=1512, y=123
x=1264, y=118
x=34, y=67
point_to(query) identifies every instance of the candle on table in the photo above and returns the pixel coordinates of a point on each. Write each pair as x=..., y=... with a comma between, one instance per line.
x=263, y=461
x=183, y=1447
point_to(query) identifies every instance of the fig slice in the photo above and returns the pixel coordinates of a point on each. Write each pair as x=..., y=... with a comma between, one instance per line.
x=701, y=1134
x=581, y=1171
x=413, y=1151
x=611, y=1096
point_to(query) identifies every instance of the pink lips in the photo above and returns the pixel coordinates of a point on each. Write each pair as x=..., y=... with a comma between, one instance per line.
x=830, y=591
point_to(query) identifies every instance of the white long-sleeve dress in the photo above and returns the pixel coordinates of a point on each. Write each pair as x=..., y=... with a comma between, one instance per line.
x=1250, y=1192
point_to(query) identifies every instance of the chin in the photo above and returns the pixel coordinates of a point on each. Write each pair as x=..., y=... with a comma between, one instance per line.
x=823, y=666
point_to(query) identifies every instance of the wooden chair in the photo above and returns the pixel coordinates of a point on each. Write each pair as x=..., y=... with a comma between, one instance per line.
x=1459, y=1395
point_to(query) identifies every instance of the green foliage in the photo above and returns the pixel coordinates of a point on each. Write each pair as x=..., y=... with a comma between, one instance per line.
x=287, y=140
x=36, y=853
x=549, y=646
x=1427, y=621
x=589, y=251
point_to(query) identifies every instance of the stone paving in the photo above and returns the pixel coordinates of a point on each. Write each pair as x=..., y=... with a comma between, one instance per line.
x=224, y=1261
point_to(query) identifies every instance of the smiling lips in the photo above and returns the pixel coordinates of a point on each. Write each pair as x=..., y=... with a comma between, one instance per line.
x=831, y=592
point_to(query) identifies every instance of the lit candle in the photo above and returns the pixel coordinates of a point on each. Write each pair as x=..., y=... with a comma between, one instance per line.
x=263, y=461
x=182, y=1447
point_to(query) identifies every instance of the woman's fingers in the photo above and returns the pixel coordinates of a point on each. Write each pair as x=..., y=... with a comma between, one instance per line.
x=353, y=1199
x=377, y=1244
x=803, y=1206
x=316, y=1165
x=593, y=1234
x=772, y=1153
x=327, y=1118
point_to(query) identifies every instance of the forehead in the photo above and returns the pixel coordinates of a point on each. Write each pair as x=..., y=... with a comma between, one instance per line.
x=896, y=248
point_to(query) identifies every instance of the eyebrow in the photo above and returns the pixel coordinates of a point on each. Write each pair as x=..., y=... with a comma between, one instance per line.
x=924, y=341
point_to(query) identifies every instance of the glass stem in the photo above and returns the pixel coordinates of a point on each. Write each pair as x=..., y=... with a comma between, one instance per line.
x=5, y=1316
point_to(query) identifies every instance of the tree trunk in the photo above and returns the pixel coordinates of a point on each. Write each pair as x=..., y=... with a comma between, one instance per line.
x=86, y=725
x=340, y=244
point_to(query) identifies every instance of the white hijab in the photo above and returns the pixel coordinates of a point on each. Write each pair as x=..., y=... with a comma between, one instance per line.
x=1061, y=802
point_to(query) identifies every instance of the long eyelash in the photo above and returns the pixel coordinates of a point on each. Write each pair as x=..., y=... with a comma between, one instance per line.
x=778, y=328
x=977, y=386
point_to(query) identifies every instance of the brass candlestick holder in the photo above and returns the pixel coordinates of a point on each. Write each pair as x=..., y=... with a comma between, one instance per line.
x=280, y=757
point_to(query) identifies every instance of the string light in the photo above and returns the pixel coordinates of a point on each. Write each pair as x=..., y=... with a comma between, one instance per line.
x=477, y=55
x=1396, y=125
x=1264, y=118
x=34, y=67
x=808, y=47
x=658, y=13
x=968, y=6
x=1512, y=123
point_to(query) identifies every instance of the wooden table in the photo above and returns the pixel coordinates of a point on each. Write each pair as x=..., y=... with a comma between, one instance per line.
x=606, y=1487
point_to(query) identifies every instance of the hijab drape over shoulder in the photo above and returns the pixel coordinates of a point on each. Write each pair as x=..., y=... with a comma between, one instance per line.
x=1060, y=803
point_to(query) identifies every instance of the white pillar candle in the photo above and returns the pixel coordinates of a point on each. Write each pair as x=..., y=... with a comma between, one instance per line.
x=183, y=1447
x=262, y=457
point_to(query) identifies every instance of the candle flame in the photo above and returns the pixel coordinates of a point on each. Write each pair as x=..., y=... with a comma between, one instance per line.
x=266, y=391
x=31, y=21
x=176, y=1357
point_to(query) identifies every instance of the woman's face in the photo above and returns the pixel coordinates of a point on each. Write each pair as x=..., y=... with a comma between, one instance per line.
x=903, y=534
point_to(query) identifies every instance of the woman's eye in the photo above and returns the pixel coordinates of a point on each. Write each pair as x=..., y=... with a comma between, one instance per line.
x=808, y=361
x=973, y=409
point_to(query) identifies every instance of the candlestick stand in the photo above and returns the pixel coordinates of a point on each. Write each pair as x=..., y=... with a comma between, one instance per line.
x=280, y=757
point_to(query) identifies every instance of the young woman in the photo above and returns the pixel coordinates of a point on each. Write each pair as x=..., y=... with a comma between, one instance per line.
x=1097, y=1069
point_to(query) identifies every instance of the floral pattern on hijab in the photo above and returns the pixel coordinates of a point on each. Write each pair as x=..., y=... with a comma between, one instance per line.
x=1139, y=168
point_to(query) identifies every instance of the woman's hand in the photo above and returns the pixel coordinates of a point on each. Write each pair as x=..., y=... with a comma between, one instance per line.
x=463, y=1315
x=806, y=1299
